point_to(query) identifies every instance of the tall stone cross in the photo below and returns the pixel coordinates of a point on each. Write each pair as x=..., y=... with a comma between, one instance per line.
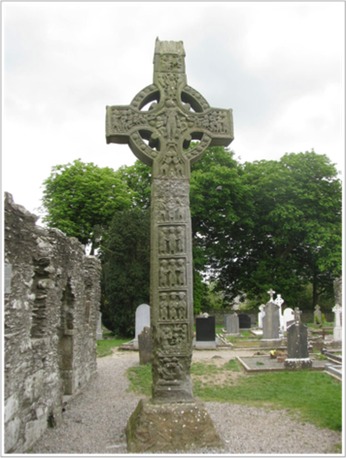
x=159, y=125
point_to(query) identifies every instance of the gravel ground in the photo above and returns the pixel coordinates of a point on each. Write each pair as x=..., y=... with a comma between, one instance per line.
x=94, y=421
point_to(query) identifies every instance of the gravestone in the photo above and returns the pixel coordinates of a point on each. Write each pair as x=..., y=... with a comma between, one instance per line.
x=142, y=320
x=279, y=301
x=145, y=346
x=205, y=332
x=317, y=315
x=160, y=136
x=337, y=331
x=271, y=320
x=232, y=324
x=244, y=321
x=288, y=317
x=261, y=315
x=297, y=345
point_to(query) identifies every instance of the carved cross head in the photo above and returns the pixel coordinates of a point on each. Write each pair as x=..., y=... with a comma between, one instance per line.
x=163, y=118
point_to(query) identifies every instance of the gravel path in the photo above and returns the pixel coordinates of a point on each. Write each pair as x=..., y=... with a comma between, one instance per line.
x=94, y=421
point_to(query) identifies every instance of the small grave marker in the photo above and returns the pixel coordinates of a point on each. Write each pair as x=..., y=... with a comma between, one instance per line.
x=297, y=344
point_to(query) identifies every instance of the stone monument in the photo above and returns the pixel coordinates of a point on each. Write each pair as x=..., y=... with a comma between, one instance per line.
x=160, y=136
x=337, y=331
x=271, y=322
x=297, y=344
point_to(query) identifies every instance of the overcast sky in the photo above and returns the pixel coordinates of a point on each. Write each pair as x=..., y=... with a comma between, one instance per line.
x=279, y=66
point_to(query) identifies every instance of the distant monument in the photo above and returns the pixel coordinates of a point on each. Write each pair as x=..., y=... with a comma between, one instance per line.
x=160, y=136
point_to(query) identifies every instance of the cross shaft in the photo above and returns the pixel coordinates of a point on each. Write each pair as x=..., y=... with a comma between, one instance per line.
x=160, y=136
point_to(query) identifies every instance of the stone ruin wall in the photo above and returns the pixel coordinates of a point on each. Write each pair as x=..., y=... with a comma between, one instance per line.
x=52, y=299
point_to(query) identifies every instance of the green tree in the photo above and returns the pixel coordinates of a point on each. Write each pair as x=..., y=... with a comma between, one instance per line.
x=281, y=228
x=80, y=199
x=125, y=269
x=138, y=178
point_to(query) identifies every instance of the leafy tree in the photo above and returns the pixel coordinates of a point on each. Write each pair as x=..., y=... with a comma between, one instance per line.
x=126, y=269
x=137, y=177
x=280, y=225
x=81, y=199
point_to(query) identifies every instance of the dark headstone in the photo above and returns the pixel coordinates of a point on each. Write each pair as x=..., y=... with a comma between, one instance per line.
x=244, y=321
x=297, y=347
x=145, y=346
x=205, y=329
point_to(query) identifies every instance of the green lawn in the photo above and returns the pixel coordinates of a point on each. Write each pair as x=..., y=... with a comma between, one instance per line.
x=105, y=347
x=315, y=396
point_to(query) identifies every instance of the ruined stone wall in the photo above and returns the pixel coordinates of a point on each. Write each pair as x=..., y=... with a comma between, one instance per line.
x=52, y=297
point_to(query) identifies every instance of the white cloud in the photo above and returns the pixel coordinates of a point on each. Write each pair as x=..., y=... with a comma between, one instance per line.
x=278, y=65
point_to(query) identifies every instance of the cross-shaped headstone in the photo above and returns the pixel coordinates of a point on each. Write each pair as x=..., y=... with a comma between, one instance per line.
x=279, y=301
x=160, y=136
x=271, y=293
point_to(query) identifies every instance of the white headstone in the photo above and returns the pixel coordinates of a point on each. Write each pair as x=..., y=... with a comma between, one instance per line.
x=288, y=316
x=142, y=319
x=261, y=315
x=337, y=332
x=279, y=301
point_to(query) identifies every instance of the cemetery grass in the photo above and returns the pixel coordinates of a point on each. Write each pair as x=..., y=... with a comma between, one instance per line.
x=312, y=395
x=105, y=347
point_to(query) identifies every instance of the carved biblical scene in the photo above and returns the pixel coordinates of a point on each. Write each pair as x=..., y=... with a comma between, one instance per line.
x=172, y=273
x=172, y=165
x=170, y=336
x=172, y=240
x=172, y=369
x=173, y=306
x=171, y=210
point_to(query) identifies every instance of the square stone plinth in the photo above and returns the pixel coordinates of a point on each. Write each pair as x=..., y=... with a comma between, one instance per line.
x=170, y=427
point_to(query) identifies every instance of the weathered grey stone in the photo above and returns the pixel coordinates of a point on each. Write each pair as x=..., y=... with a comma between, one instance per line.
x=297, y=345
x=288, y=318
x=232, y=324
x=317, y=315
x=261, y=315
x=50, y=325
x=160, y=137
x=271, y=322
x=8, y=278
x=142, y=318
x=99, y=332
x=182, y=426
x=337, y=330
x=145, y=346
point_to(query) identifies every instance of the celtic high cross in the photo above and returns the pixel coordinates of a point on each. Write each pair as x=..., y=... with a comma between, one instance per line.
x=159, y=125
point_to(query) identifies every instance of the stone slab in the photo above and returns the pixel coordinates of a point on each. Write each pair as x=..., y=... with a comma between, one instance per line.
x=200, y=345
x=170, y=427
x=265, y=363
